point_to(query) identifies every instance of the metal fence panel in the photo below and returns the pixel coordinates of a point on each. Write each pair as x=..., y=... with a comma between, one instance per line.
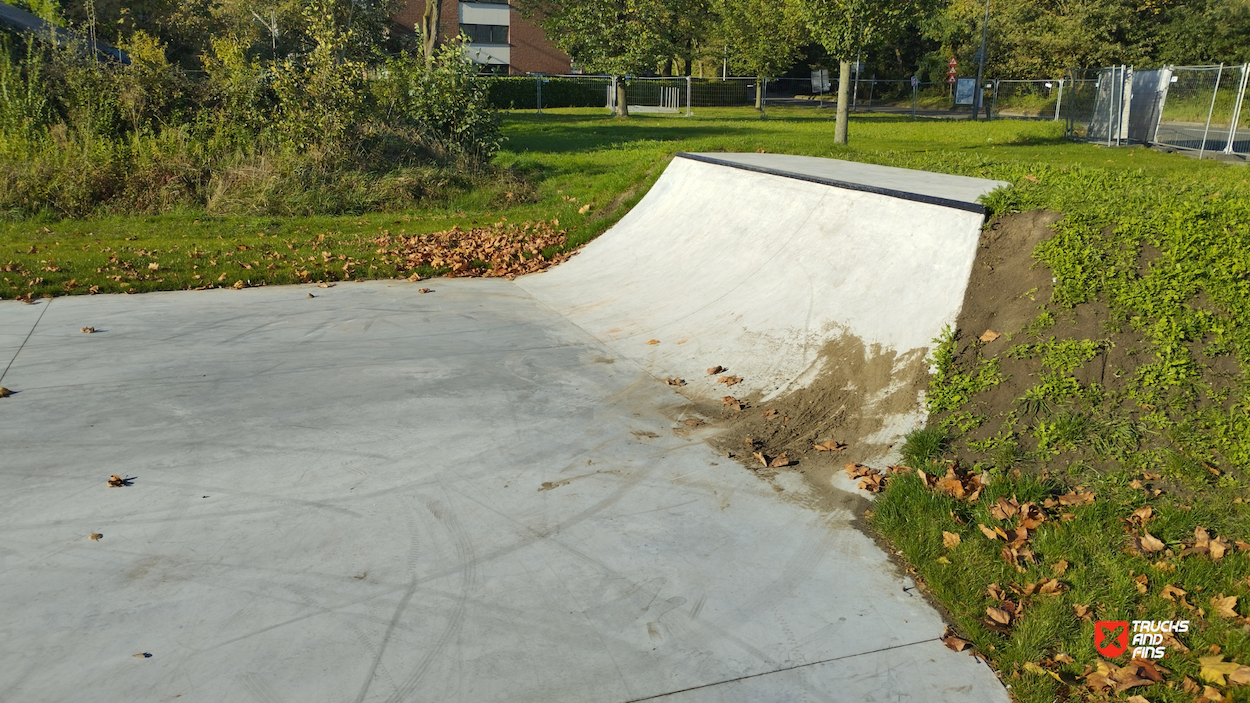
x=1239, y=142
x=1197, y=97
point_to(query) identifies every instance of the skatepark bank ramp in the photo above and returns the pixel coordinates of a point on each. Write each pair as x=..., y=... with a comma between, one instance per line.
x=817, y=281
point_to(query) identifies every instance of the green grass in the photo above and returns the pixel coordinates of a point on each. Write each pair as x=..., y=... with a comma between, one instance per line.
x=1190, y=307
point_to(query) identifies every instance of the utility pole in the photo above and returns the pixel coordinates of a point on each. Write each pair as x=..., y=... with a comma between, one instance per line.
x=981, y=55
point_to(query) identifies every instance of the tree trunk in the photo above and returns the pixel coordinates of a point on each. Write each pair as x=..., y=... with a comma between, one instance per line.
x=622, y=104
x=759, y=94
x=844, y=102
x=429, y=27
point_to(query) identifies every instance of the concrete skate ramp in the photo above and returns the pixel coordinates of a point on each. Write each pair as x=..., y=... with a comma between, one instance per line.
x=760, y=262
x=380, y=495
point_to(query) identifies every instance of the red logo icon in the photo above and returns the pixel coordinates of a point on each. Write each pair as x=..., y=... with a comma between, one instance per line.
x=1111, y=637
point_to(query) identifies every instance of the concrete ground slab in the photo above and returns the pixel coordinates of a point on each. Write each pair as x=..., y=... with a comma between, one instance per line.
x=377, y=495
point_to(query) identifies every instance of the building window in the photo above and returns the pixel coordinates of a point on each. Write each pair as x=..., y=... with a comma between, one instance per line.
x=486, y=33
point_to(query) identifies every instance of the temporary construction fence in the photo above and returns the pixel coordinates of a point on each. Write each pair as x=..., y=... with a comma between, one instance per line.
x=1189, y=108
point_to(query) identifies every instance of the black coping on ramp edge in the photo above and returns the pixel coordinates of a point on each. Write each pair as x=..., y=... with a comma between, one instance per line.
x=849, y=185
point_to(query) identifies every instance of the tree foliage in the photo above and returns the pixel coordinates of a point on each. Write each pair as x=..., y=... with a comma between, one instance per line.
x=619, y=37
x=766, y=37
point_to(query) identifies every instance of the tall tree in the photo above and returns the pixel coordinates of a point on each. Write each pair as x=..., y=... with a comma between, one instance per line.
x=844, y=27
x=765, y=38
x=617, y=37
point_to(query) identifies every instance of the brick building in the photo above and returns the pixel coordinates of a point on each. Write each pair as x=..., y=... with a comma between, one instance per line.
x=499, y=38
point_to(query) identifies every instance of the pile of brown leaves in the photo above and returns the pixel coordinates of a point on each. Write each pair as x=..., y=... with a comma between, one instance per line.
x=501, y=249
x=870, y=480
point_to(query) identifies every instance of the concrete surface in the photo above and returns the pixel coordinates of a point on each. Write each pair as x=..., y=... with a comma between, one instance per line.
x=378, y=495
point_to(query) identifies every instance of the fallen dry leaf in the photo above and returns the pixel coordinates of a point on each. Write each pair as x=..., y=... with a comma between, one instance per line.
x=950, y=540
x=1211, y=694
x=693, y=422
x=830, y=446
x=1049, y=587
x=779, y=461
x=996, y=592
x=771, y=412
x=583, y=209
x=414, y=277
x=1004, y=509
x=761, y=458
x=1083, y=612
x=1171, y=593
x=987, y=531
x=873, y=483
x=5, y=392
x=154, y=266
x=239, y=285
x=675, y=382
x=954, y=642
x=1031, y=516
x=423, y=291
x=1074, y=498
x=325, y=285
x=1136, y=699
x=143, y=655
x=1149, y=543
x=310, y=295
x=1225, y=607
x=729, y=380
x=116, y=481
x=653, y=341
x=1059, y=567
x=1241, y=676
x=1141, y=583
x=733, y=402
x=87, y=330
x=1019, y=557
x=989, y=336
x=854, y=470
x=1141, y=515
x=1214, y=669
x=715, y=370
x=1063, y=658
x=96, y=536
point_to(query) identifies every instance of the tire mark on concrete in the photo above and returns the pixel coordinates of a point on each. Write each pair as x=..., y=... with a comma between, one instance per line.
x=413, y=551
x=464, y=555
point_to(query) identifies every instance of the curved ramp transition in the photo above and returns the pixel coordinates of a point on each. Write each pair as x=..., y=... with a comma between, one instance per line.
x=789, y=271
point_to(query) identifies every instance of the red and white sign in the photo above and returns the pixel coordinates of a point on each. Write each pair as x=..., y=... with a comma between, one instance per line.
x=950, y=75
x=953, y=63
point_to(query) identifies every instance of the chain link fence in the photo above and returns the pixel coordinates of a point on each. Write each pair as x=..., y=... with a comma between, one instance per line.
x=1200, y=109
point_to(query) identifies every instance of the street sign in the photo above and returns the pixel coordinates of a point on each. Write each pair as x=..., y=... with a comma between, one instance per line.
x=950, y=78
x=915, y=81
x=953, y=63
x=820, y=81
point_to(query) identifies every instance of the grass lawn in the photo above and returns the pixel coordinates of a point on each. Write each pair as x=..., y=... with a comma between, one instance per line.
x=1159, y=244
